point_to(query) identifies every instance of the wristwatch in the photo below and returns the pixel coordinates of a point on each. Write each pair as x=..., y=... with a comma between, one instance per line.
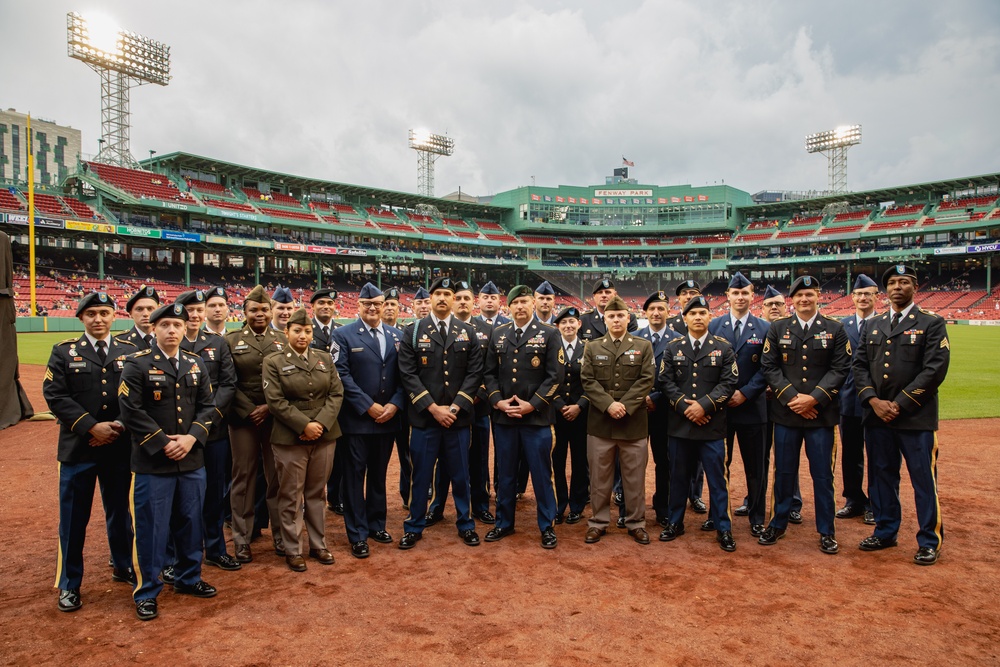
x=453, y=409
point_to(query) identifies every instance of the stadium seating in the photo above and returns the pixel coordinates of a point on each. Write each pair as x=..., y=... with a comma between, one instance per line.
x=620, y=242
x=540, y=240
x=749, y=238
x=891, y=224
x=761, y=224
x=799, y=223
x=231, y=205
x=398, y=227
x=81, y=210
x=272, y=197
x=465, y=234
x=970, y=202
x=9, y=202
x=140, y=184
x=456, y=222
x=912, y=209
x=209, y=187
x=291, y=215
x=795, y=233
x=437, y=231
x=842, y=229
x=851, y=215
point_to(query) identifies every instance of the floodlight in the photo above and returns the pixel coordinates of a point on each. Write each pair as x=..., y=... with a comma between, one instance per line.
x=123, y=59
x=834, y=144
x=429, y=148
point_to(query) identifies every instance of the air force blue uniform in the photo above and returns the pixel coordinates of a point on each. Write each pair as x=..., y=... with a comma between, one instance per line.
x=852, y=436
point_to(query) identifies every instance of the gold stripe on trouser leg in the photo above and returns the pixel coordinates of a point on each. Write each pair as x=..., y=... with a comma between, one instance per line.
x=409, y=459
x=774, y=477
x=937, y=498
x=135, y=545
x=833, y=468
x=725, y=476
x=59, y=555
x=552, y=469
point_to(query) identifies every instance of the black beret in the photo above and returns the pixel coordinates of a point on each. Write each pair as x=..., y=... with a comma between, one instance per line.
x=325, y=293
x=93, y=300
x=442, y=283
x=191, y=297
x=568, y=311
x=144, y=292
x=696, y=302
x=602, y=284
x=654, y=297
x=391, y=294
x=687, y=284
x=173, y=311
x=803, y=282
x=219, y=292
x=899, y=270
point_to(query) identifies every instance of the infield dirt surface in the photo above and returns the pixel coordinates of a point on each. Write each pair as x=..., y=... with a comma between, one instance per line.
x=513, y=603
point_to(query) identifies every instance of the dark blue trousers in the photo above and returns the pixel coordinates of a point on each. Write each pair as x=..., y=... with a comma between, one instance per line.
x=165, y=506
x=886, y=447
x=768, y=446
x=366, y=459
x=535, y=442
x=685, y=456
x=335, y=485
x=822, y=455
x=479, y=472
x=426, y=446
x=852, y=460
x=217, y=463
x=77, y=482
x=751, y=439
x=403, y=454
x=571, y=439
x=659, y=446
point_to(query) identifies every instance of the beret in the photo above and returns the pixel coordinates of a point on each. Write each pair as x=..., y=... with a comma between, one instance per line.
x=94, y=299
x=325, y=293
x=217, y=292
x=172, y=311
x=144, y=292
x=191, y=297
x=696, y=302
x=899, y=270
x=443, y=283
x=568, y=311
x=603, y=283
x=518, y=291
x=654, y=297
x=687, y=284
x=803, y=282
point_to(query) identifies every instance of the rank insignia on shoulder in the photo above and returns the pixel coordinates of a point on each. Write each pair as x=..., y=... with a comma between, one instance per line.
x=945, y=344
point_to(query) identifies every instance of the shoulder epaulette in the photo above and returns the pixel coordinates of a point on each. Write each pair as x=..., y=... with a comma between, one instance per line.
x=721, y=338
x=191, y=354
x=143, y=353
x=505, y=324
x=68, y=340
x=927, y=312
x=785, y=317
x=125, y=341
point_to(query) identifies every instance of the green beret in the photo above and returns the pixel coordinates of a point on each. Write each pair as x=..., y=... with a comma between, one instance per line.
x=519, y=291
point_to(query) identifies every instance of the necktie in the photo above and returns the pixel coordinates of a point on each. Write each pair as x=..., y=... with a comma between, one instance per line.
x=517, y=335
x=569, y=353
x=326, y=332
x=656, y=339
x=736, y=330
x=697, y=346
x=378, y=341
x=101, y=352
x=176, y=364
x=148, y=339
x=895, y=319
x=805, y=329
x=259, y=337
x=443, y=331
x=618, y=343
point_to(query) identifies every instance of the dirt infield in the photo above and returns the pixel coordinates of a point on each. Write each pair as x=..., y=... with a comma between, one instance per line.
x=513, y=603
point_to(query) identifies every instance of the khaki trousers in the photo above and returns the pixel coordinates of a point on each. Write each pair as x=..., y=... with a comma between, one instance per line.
x=247, y=442
x=302, y=474
x=633, y=455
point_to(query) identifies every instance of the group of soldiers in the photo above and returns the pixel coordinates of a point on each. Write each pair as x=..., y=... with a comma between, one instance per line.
x=187, y=426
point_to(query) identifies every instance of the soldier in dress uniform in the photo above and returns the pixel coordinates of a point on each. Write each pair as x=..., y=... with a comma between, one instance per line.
x=656, y=308
x=421, y=304
x=902, y=361
x=250, y=422
x=390, y=309
x=746, y=417
x=80, y=383
x=282, y=307
x=139, y=306
x=368, y=363
x=304, y=394
x=698, y=375
x=167, y=405
x=324, y=304
x=806, y=359
x=216, y=311
x=479, y=450
x=570, y=404
x=685, y=291
x=441, y=368
x=545, y=301
x=524, y=369
x=489, y=305
x=421, y=309
x=592, y=322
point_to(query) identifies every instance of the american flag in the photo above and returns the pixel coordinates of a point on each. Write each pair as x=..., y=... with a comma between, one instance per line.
x=627, y=163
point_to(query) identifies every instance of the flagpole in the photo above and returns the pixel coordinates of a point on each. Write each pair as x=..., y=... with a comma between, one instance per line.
x=31, y=219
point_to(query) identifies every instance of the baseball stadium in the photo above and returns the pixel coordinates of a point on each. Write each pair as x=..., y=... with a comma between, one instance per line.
x=180, y=221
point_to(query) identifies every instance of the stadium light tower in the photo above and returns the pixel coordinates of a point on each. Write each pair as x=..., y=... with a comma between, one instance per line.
x=429, y=148
x=123, y=59
x=834, y=144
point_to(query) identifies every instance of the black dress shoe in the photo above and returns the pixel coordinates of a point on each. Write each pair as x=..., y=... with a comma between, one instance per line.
x=850, y=511
x=360, y=549
x=167, y=575
x=470, y=537
x=338, y=508
x=726, y=540
x=671, y=532
x=662, y=521
x=757, y=529
x=322, y=555
x=594, y=535
x=698, y=505
x=549, y=539
x=496, y=534
x=869, y=518
x=125, y=575
x=223, y=562
x=69, y=600
x=742, y=510
x=639, y=535
x=145, y=610
x=795, y=517
x=873, y=543
x=485, y=517
x=296, y=563
x=926, y=556
x=381, y=537
x=621, y=522
x=409, y=540
x=708, y=525
x=430, y=519
x=828, y=545
x=559, y=519
x=243, y=554
x=574, y=517
x=770, y=536
x=202, y=589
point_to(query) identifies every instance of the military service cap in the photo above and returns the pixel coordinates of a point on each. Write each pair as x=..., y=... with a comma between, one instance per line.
x=617, y=303
x=489, y=288
x=258, y=295
x=770, y=293
x=369, y=291
x=739, y=281
x=864, y=281
x=282, y=295
x=545, y=288
x=300, y=317
x=422, y=294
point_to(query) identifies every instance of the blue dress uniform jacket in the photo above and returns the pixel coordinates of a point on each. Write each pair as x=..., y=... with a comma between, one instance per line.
x=81, y=391
x=850, y=404
x=666, y=336
x=815, y=363
x=709, y=377
x=320, y=340
x=248, y=357
x=749, y=350
x=157, y=401
x=367, y=377
x=439, y=371
x=531, y=369
x=906, y=365
x=135, y=337
x=592, y=326
x=497, y=321
x=214, y=352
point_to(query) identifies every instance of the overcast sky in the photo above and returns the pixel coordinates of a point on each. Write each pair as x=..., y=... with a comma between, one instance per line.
x=692, y=91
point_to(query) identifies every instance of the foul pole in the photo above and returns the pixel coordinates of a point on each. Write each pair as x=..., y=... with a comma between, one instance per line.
x=31, y=217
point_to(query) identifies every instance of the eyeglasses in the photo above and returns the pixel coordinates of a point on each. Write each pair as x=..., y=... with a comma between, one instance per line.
x=774, y=304
x=368, y=305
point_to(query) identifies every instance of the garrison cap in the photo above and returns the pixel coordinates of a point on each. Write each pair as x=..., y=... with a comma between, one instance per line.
x=369, y=291
x=803, y=282
x=739, y=281
x=864, y=281
x=443, y=283
x=770, y=293
x=93, y=300
x=300, y=316
x=171, y=311
x=422, y=294
x=603, y=283
x=654, y=297
x=325, y=293
x=145, y=292
x=899, y=270
x=191, y=297
x=696, y=302
x=617, y=303
x=282, y=295
x=519, y=291
x=462, y=286
x=217, y=292
x=258, y=295
x=489, y=288
x=687, y=284
x=545, y=288
x=568, y=311
x=391, y=294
